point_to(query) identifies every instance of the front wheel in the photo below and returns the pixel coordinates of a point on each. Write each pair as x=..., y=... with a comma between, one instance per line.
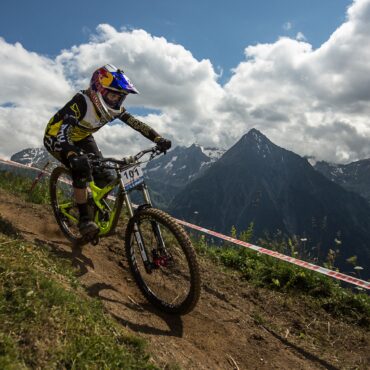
x=170, y=279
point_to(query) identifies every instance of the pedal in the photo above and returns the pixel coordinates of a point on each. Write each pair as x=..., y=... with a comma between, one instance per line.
x=92, y=238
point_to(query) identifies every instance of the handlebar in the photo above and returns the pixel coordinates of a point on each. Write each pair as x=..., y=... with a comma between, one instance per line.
x=128, y=161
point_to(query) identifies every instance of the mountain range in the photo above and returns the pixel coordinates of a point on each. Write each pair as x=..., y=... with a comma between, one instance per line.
x=354, y=176
x=34, y=157
x=276, y=189
x=170, y=173
x=258, y=182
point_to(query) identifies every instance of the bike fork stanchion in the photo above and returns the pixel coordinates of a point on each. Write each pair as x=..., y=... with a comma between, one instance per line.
x=127, y=201
x=139, y=239
x=146, y=194
x=155, y=226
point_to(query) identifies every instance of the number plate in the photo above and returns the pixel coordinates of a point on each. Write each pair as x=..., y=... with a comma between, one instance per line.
x=132, y=177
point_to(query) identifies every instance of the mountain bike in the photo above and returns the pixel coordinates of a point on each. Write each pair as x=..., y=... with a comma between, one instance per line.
x=160, y=254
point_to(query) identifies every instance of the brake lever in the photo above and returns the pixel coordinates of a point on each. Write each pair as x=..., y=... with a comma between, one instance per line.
x=155, y=152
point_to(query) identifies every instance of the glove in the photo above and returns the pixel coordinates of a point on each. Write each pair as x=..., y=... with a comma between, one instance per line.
x=163, y=144
x=129, y=160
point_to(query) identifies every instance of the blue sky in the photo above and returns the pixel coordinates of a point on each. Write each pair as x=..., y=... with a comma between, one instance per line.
x=208, y=28
x=208, y=72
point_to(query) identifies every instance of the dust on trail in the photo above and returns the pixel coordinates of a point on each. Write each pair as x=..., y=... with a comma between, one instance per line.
x=222, y=332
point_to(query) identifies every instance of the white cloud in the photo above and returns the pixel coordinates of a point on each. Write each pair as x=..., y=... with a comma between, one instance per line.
x=287, y=26
x=300, y=37
x=29, y=78
x=32, y=86
x=315, y=102
x=169, y=78
x=324, y=93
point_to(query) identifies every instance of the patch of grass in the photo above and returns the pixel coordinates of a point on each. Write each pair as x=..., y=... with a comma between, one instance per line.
x=17, y=184
x=9, y=354
x=265, y=271
x=46, y=320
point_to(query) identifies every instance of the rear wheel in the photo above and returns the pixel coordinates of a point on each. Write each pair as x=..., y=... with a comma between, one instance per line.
x=170, y=280
x=65, y=208
x=63, y=203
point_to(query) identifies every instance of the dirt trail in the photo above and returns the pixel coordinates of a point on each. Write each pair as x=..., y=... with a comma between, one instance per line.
x=223, y=332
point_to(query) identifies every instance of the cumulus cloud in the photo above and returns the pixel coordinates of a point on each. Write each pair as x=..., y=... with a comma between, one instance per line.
x=169, y=78
x=312, y=101
x=171, y=81
x=300, y=37
x=319, y=90
x=32, y=87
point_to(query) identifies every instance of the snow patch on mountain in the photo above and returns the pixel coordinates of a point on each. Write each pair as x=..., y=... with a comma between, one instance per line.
x=262, y=144
x=154, y=168
x=169, y=165
x=34, y=157
x=213, y=153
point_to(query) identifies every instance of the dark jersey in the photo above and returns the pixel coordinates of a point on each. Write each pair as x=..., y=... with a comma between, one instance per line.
x=78, y=119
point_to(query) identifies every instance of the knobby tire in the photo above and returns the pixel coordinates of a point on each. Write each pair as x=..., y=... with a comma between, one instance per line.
x=184, y=251
x=64, y=224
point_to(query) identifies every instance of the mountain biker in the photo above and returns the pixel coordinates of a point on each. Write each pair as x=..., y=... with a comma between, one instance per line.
x=68, y=135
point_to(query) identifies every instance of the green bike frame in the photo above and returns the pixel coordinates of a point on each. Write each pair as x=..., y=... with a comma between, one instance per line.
x=98, y=194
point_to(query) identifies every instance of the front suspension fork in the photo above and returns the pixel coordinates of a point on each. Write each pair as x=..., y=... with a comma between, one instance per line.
x=155, y=227
x=139, y=240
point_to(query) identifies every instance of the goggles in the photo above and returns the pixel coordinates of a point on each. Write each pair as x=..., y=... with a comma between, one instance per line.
x=113, y=99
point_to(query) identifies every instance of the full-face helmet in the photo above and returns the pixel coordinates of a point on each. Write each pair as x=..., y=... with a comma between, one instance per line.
x=109, y=87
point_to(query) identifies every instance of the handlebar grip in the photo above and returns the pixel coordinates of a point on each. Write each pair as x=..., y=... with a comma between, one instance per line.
x=129, y=160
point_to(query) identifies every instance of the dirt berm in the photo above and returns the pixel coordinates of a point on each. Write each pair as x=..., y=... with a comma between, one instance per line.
x=234, y=326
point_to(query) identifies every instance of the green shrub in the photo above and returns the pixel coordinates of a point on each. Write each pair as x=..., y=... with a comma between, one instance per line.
x=18, y=184
x=268, y=272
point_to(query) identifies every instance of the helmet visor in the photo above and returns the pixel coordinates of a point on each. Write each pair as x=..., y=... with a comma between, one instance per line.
x=113, y=99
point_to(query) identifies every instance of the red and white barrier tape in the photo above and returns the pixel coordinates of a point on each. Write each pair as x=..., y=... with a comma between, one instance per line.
x=283, y=257
x=20, y=165
x=309, y=266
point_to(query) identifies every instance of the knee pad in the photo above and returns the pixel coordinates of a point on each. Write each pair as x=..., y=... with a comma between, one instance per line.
x=80, y=178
